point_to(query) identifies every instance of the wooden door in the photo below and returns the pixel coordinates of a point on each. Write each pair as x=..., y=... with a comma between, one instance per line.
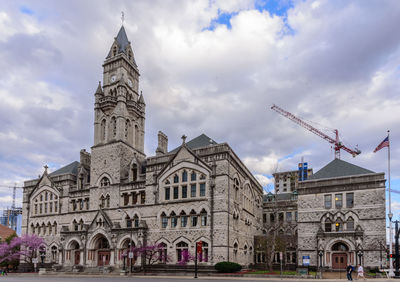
x=103, y=258
x=339, y=261
x=77, y=257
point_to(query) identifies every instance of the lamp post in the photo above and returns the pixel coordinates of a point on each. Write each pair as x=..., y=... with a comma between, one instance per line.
x=130, y=243
x=320, y=259
x=360, y=253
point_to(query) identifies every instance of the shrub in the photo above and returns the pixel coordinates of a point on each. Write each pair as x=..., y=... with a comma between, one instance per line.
x=227, y=267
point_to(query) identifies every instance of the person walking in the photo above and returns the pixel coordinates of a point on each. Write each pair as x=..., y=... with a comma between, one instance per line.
x=349, y=270
x=360, y=272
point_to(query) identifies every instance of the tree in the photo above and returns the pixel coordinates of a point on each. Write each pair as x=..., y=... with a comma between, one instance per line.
x=23, y=248
x=4, y=248
x=153, y=253
x=186, y=257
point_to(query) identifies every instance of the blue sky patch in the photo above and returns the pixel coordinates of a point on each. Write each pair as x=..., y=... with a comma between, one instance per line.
x=222, y=19
x=274, y=7
x=26, y=10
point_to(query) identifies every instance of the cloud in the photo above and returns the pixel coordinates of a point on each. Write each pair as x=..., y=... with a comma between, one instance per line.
x=334, y=63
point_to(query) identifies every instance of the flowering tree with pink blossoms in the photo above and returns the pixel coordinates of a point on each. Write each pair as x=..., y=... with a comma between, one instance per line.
x=186, y=257
x=152, y=254
x=24, y=248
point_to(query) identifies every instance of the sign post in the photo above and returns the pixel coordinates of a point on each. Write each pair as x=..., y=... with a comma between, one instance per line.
x=280, y=259
x=306, y=262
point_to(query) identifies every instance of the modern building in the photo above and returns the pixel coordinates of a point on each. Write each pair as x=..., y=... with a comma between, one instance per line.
x=90, y=211
x=287, y=181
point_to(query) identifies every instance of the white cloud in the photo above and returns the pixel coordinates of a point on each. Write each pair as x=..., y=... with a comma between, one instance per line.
x=336, y=64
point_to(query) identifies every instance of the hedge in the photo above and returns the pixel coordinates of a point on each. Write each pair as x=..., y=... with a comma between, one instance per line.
x=227, y=267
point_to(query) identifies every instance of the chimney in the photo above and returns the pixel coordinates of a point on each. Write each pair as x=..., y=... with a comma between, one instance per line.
x=162, y=144
x=84, y=158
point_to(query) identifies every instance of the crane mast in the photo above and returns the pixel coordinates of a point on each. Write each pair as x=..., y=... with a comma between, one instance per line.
x=337, y=144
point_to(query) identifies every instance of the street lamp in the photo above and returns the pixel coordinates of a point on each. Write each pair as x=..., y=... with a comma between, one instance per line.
x=320, y=258
x=130, y=244
x=360, y=253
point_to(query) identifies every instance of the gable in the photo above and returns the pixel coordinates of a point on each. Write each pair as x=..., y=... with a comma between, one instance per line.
x=339, y=168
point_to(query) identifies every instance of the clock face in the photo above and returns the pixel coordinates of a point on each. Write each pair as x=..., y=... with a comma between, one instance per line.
x=113, y=78
x=130, y=83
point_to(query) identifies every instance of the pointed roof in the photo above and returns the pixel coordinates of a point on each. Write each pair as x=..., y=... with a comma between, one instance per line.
x=339, y=168
x=71, y=168
x=99, y=90
x=200, y=141
x=141, y=99
x=122, y=43
x=122, y=40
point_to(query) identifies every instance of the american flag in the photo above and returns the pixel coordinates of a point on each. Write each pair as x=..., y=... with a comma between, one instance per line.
x=384, y=143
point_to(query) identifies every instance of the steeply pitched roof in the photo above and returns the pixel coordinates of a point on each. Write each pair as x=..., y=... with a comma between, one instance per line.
x=122, y=42
x=339, y=168
x=5, y=232
x=200, y=141
x=72, y=168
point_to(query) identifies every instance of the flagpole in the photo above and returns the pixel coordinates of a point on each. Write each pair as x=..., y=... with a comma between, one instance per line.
x=391, y=273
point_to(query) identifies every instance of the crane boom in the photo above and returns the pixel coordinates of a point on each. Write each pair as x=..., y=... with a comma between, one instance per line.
x=336, y=141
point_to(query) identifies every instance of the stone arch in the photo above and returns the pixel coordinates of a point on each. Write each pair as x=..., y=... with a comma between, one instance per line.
x=73, y=244
x=330, y=243
x=94, y=237
x=182, y=238
x=104, y=174
x=123, y=239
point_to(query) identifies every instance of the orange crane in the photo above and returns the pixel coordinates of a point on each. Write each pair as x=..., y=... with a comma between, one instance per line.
x=338, y=145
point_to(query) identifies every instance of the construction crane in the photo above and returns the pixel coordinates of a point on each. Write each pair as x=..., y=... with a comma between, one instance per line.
x=336, y=141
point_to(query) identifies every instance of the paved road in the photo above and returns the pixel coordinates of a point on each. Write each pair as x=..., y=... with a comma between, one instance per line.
x=76, y=278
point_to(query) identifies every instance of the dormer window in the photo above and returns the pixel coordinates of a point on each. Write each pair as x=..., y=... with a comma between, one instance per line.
x=114, y=50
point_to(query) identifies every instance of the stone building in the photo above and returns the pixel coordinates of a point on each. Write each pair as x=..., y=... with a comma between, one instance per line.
x=341, y=216
x=89, y=211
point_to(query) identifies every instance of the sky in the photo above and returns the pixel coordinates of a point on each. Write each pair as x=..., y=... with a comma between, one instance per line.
x=213, y=67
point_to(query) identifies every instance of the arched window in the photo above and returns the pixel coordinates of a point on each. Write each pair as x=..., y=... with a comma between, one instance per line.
x=174, y=220
x=108, y=201
x=176, y=178
x=104, y=182
x=33, y=228
x=162, y=253
x=102, y=201
x=44, y=202
x=127, y=125
x=43, y=229
x=203, y=216
x=350, y=224
x=340, y=247
x=54, y=254
x=81, y=224
x=184, y=176
x=128, y=221
x=55, y=227
x=245, y=249
x=328, y=225
x=75, y=225
x=339, y=225
x=193, y=218
x=49, y=228
x=184, y=219
x=103, y=130
x=129, y=54
x=164, y=220
x=136, y=221
x=193, y=176
x=236, y=186
x=204, y=254
x=181, y=250
x=114, y=50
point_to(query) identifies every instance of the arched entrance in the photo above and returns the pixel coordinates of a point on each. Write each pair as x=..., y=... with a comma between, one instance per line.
x=124, y=253
x=75, y=252
x=103, y=251
x=340, y=255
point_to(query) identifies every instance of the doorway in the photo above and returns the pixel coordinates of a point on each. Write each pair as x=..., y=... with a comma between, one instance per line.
x=104, y=258
x=77, y=257
x=339, y=261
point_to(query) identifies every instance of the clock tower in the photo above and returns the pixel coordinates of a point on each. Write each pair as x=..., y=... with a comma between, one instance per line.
x=119, y=108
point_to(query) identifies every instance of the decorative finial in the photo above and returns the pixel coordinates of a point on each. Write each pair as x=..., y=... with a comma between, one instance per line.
x=183, y=138
x=122, y=17
x=45, y=169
